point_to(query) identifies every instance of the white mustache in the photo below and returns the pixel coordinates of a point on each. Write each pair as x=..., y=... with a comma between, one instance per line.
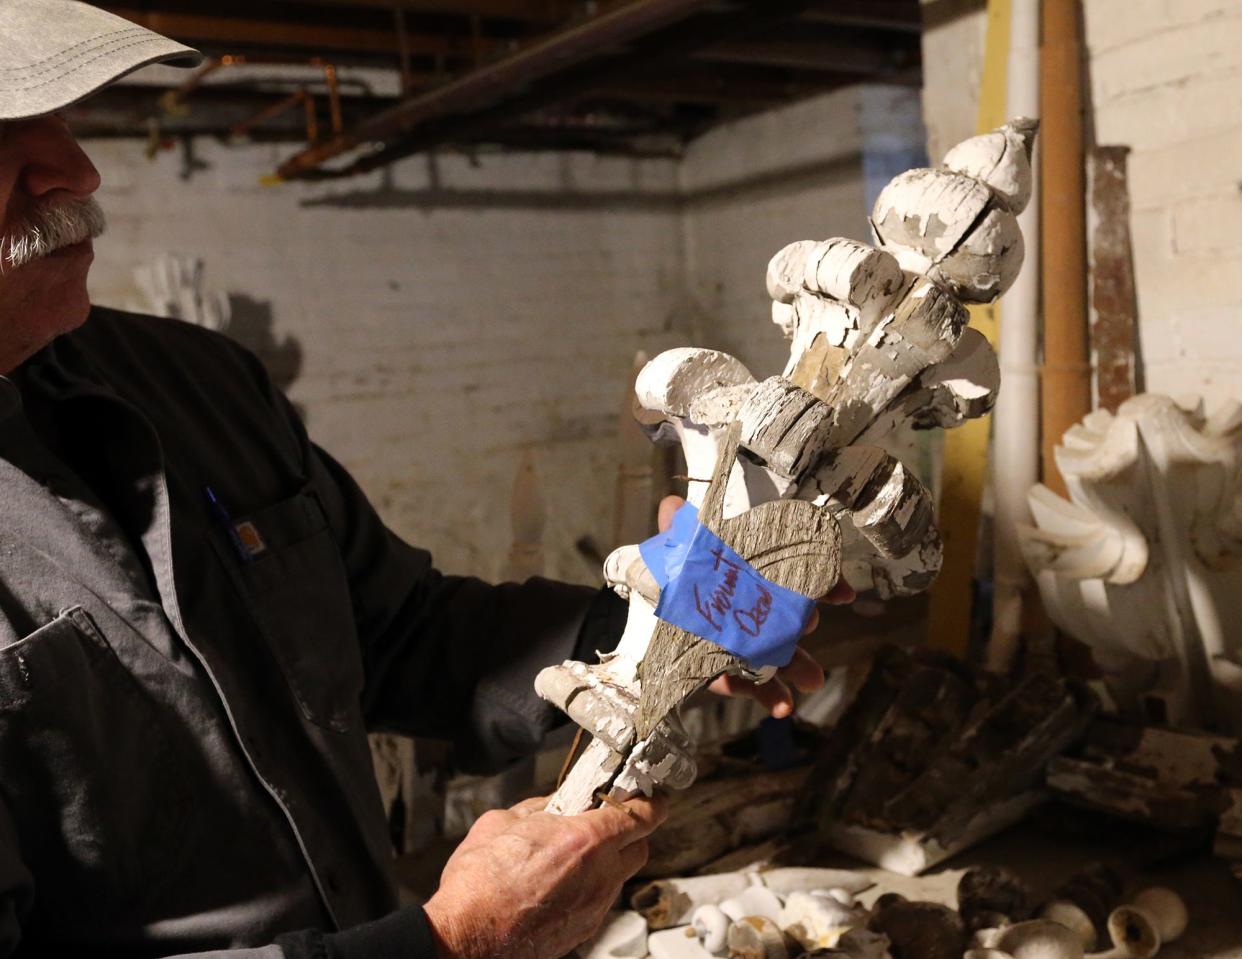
x=50, y=228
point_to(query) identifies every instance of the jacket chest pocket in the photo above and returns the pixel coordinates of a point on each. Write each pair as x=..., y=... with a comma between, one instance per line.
x=294, y=583
x=92, y=767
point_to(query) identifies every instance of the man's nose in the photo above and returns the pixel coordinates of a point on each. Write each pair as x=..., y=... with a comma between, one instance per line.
x=52, y=161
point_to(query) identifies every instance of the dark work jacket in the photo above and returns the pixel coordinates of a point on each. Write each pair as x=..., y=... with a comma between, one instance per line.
x=186, y=686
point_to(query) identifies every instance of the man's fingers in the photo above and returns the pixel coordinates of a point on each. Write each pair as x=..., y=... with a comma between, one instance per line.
x=633, y=857
x=629, y=821
x=531, y=805
x=841, y=594
x=812, y=623
x=803, y=672
x=668, y=506
x=487, y=827
x=774, y=696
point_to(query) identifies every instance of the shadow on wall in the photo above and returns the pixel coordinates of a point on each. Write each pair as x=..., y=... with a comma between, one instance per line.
x=250, y=324
x=173, y=286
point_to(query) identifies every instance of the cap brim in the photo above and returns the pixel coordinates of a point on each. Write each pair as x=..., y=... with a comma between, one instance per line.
x=57, y=52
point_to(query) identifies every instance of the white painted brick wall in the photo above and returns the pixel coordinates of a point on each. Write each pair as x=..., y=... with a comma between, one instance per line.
x=952, y=72
x=1166, y=80
x=752, y=187
x=441, y=330
x=452, y=312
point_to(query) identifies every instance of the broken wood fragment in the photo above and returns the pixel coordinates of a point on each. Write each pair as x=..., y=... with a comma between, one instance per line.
x=1114, y=300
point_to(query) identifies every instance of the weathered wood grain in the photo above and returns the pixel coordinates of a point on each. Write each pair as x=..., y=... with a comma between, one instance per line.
x=790, y=542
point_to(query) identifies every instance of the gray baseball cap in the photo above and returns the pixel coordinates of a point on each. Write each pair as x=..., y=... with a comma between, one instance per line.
x=55, y=52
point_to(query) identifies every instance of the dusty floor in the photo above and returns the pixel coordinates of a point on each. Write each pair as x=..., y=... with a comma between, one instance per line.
x=1213, y=896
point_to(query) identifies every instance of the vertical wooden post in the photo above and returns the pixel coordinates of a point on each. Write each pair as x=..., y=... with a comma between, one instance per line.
x=635, y=498
x=1114, y=303
x=528, y=516
x=1066, y=396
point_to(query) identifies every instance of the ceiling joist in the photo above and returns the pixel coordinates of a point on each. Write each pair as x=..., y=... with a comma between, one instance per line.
x=314, y=38
x=532, y=11
x=609, y=75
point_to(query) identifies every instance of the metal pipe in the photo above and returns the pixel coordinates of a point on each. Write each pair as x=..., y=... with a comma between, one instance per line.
x=312, y=120
x=403, y=45
x=474, y=90
x=1015, y=433
x=334, y=98
x=1067, y=369
x=173, y=102
x=268, y=112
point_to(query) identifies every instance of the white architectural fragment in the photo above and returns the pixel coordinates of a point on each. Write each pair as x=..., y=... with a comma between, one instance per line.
x=786, y=468
x=753, y=901
x=676, y=944
x=818, y=920
x=1144, y=563
x=673, y=902
x=622, y=935
x=174, y=286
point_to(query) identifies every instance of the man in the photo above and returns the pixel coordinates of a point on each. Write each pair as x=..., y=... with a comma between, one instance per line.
x=201, y=616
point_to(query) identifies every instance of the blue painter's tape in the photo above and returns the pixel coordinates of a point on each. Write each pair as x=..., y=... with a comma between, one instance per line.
x=708, y=589
x=665, y=552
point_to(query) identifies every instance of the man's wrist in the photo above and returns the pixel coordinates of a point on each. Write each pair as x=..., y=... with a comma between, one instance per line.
x=445, y=930
x=404, y=934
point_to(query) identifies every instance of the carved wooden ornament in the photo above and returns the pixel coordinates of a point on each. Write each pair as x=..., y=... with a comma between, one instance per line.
x=1144, y=563
x=786, y=471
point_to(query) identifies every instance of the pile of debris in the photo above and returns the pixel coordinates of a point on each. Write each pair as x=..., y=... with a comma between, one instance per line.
x=932, y=757
x=1182, y=782
x=798, y=913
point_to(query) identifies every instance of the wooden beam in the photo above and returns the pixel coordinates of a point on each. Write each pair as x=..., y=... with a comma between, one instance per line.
x=532, y=11
x=894, y=15
x=801, y=54
x=445, y=117
x=490, y=84
x=745, y=85
x=121, y=110
x=191, y=28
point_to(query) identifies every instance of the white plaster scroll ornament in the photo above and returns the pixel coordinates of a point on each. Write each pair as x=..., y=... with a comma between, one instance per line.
x=785, y=470
x=1144, y=562
x=622, y=935
x=674, y=902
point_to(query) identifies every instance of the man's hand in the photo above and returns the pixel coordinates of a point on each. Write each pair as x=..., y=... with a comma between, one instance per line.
x=525, y=884
x=803, y=673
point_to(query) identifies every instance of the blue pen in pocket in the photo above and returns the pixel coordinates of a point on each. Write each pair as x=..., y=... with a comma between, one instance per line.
x=222, y=518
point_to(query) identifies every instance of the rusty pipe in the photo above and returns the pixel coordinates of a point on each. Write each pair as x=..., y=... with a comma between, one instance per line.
x=1066, y=394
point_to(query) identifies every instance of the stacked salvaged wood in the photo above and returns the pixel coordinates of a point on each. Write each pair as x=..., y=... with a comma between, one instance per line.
x=932, y=757
x=929, y=758
x=1179, y=781
x=811, y=913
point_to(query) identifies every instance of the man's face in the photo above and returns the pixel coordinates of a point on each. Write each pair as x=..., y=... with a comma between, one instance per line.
x=47, y=219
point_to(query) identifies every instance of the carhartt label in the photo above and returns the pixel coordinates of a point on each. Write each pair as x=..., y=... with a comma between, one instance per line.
x=250, y=538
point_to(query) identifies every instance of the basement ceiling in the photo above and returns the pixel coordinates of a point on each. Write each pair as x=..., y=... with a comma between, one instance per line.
x=356, y=84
